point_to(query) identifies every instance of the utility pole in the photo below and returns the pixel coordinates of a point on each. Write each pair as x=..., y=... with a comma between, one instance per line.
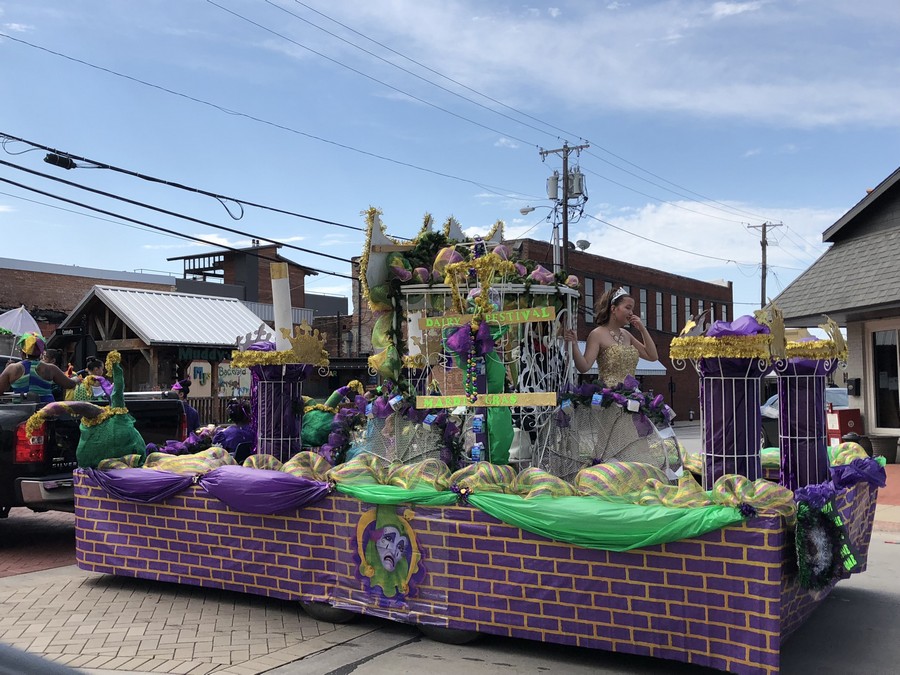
x=764, y=243
x=564, y=151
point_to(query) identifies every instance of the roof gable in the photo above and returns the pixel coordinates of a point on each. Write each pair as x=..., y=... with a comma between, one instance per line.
x=831, y=233
x=852, y=277
x=160, y=317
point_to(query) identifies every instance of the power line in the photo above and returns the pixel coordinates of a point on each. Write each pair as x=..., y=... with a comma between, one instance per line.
x=103, y=165
x=682, y=250
x=663, y=201
x=707, y=200
x=79, y=213
x=284, y=127
x=276, y=125
x=803, y=241
x=169, y=213
x=503, y=192
x=157, y=227
x=366, y=75
x=724, y=207
x=727, y=207
x=659, y=243
x=407, y=71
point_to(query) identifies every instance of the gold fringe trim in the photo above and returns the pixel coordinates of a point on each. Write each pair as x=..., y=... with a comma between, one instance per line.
x=729, y=346
x=102, y=417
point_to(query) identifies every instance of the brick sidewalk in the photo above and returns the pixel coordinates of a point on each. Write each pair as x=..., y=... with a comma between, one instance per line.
x=31, y=541
x=890, y=494
x=106, y=624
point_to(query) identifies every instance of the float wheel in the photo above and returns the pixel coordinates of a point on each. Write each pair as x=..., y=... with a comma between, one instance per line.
x=322, y=611
x=450, y=636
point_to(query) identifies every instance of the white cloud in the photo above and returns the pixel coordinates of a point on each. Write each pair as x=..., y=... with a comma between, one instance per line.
x=723, y=9
x=667, y=237
x=676, y=56
x=505, y=143
x=17, y=27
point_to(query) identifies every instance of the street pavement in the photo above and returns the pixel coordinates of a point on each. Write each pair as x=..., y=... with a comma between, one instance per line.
x=101, y=624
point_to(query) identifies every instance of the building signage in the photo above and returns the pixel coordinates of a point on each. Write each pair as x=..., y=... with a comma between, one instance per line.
x=204, y=354
x=233, y=382
x=200, y=373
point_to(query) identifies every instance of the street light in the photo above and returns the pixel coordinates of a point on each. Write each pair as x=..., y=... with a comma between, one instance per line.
x=555, y=243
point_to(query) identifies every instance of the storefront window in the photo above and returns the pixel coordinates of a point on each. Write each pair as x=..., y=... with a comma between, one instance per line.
x=887, y=393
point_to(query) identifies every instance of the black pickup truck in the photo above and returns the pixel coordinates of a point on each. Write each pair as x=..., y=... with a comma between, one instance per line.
x=36, y=470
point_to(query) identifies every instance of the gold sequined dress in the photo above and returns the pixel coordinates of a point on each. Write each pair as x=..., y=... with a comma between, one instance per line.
x=617, y=362
x=618, y=434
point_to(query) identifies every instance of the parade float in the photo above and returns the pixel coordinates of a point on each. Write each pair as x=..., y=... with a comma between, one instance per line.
x=471, y=491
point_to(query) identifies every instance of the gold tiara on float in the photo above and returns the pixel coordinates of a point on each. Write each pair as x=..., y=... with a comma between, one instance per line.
x=307, y=344
x=307, y=347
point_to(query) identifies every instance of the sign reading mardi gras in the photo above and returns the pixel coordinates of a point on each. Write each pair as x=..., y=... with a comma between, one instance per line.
x=487, y=400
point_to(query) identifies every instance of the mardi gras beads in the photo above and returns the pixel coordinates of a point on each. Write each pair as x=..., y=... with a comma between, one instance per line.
x=471, y=368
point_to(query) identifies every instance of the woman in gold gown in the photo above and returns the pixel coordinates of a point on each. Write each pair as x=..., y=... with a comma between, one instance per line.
x=615, y=433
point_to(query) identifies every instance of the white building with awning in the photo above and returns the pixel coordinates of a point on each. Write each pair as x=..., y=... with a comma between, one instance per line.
x=644, y=367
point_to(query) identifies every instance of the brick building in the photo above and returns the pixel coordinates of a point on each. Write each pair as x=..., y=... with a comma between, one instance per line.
x=664, y=300
x=242, y=274
x=49, y=291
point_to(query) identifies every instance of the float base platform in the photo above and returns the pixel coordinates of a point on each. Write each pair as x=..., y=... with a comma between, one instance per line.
x=727, y=599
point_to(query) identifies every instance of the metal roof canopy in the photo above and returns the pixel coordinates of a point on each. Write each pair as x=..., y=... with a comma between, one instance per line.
x=644, y=367
x=161, y=317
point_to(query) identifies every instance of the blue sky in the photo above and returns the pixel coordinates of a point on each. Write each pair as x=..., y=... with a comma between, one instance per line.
x=703, y=118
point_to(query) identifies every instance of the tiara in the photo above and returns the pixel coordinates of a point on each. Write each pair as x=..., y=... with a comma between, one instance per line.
x=618, y=294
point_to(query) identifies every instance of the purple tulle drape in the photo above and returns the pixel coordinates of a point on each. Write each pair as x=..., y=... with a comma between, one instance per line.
x=859, y=470
x=729, y=397
x=801, y=422
x=140, y=485
x=260, y=491
x=241, y=488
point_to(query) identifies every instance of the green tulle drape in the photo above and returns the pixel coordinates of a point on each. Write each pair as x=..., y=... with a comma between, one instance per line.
x=499, y=420
x=589, y=522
